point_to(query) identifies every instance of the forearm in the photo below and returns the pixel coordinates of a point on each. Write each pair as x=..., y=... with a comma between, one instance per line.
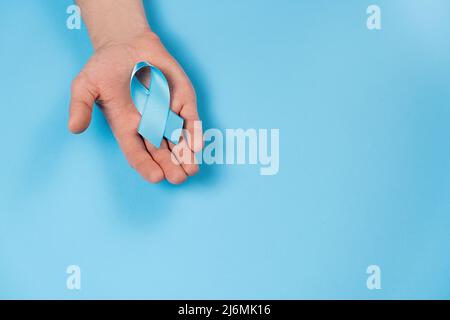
x=113, y=20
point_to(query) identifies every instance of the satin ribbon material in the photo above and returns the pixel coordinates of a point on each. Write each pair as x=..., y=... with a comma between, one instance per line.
x=153, y=103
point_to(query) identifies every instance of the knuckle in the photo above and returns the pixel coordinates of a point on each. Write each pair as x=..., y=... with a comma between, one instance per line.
x=192, y=170
x=158, y=155
x=176, y=178
x=155, y=176
x=81, y=83
x=192, y=96
x=153, y=36
x=189, y=96
x=77, y=84
x=134, y=162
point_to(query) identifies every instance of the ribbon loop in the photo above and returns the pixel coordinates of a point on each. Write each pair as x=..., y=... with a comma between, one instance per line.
x=153, y=103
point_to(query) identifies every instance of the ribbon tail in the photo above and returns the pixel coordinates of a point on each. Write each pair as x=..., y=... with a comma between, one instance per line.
x=174, y=124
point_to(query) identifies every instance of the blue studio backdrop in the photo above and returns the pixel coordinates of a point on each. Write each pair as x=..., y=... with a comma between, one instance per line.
x=364, y=175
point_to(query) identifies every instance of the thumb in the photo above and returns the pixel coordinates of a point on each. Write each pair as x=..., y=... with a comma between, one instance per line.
x=82, y=99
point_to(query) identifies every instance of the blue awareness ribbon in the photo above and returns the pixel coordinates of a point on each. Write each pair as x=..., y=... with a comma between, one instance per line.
x=153, y=103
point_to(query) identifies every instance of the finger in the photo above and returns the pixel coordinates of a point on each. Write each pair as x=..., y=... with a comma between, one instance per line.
x=184, y=156
x=173, y=171
x=184, y=102
x=138, y=157
x=82, y=100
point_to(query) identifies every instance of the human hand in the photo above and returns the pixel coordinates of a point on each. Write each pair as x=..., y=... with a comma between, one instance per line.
x=106, y=78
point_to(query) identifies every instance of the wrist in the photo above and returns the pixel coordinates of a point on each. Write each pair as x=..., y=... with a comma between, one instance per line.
x=113, y=22
x=127, y=36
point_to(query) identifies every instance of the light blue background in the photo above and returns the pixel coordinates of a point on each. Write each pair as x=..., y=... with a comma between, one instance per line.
x=364, y=163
